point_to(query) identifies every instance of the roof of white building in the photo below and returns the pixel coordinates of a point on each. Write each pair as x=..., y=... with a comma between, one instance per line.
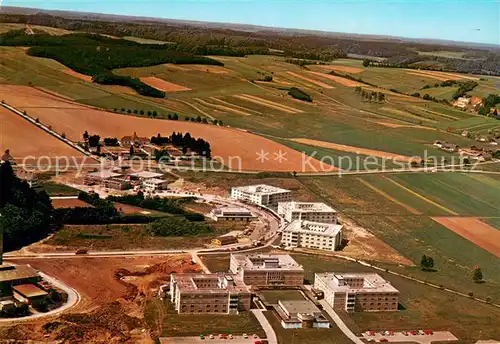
x=155, y=181
x=372, y=282
x=310, y=227
x=266, y=261
x=104, y=174
x=146, y=175
x=307, y=206
x=261, y=189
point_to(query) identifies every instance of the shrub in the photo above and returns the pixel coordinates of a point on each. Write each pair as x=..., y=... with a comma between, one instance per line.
x=299, y=94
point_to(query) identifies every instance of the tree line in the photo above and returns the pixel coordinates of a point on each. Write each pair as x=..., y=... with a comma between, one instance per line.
x=297, y=93
x=186, y=141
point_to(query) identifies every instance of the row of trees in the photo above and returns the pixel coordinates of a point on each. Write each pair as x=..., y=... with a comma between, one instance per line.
x=297, y=93
x=370, y=95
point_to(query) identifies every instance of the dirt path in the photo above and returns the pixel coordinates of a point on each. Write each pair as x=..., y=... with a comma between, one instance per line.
x=197, y=109
x=389, y=197
x=267, y=103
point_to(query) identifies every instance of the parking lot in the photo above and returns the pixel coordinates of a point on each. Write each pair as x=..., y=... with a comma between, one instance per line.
x=216, y=340
x=417, y=338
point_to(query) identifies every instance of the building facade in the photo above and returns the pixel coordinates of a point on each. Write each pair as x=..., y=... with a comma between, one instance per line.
x=265, y=195
x=300, y=314
x=197, y=293
x=357, y=292
x=155, y=184
x=267, y=270
x=229, y=214
x=315, y=235
x=310, y=211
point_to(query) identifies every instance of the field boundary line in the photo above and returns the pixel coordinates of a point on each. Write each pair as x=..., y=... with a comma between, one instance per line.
x=235, y=106
x=423, y=198
x=221, y=107
x=389, y=197
x=270, y=103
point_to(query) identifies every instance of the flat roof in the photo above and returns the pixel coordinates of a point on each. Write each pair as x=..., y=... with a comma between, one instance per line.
x=226, y=210
x=186, y=282
x=104, y=174
x=29, y=290
x=310, y=227
x=146, y=175
x=307, y=206
x=16, y=272
x=372, y=282
x=299, y=306
x=258, y=262
x=261, y=189
x=156, y=181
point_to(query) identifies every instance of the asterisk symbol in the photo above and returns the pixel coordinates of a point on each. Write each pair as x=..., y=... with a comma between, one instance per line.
x=262, y=156
x=280, y=156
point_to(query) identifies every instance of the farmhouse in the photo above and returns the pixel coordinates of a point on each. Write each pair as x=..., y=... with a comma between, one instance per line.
x=316, y=235
x=228, y=214
x=357, y=292
x=449, y=147
x=197, y=293
x=261, y=194
x=267, y=270
x=134, y=140
x=310, y=211
x=301, y=314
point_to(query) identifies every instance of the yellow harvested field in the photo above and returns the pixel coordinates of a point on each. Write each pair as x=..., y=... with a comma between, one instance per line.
x=408, y=115
x=244, y=109
x=163, y=85
x=221, y=107
x=340, y=68
x=78, y=75
x=267, y=103
x=398, y=125
x=441, y=75
x=237, y=149
x=312, y=81
x=339, y=80
x=352, y=149
x=119, y=89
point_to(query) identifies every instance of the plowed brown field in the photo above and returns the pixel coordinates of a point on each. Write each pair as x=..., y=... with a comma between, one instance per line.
x=474, y=230
x=231, y=146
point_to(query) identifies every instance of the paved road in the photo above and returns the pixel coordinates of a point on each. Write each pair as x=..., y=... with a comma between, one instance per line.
x=341, y=325
x=270, y=334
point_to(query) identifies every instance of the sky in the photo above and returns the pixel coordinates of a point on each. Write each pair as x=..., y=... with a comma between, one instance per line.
x=458, y=20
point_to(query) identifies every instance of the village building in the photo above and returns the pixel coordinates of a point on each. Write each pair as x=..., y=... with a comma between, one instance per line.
x=296, y=314
x=462, y=102
x=449, y=147
x=145, y=175
x=267, y=270
x=14, y=275
x=265, y=195
x=99, y=177
x=232, y=214
x=30, y=293
x=357, y=292
x=315, y=235
x=198, y=293
x=310, y=211
x=134, y=140
x=155, y=184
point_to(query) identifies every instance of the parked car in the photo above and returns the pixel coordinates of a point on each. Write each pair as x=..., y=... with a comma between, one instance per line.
x=428, y=332
x=202, y=336
x=211, y=336
x=404, y=333
x=81, y=251
x=383, y=340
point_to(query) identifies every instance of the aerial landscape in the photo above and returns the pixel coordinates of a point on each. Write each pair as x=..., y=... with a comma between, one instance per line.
x=208, y=174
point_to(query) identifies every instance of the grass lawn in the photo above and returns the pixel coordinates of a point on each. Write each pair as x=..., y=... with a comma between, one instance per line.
x=216, y=263
x=55, y=189
x=118, y=237
x=162, y=317
x=425, y=307
x=273, y=296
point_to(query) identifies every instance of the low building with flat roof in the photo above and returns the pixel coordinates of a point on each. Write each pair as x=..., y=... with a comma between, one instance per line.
x=239, y=214
x=267, y=270
x=198, y=293
x=357, y=292
x=13, y=275
x=261, y=194
x=225, y=240
x=315, y=235
x=100, y=176
x=310, y=211
x=144, y=175
x=155, y=184
x=30, y=293
x=301, y=314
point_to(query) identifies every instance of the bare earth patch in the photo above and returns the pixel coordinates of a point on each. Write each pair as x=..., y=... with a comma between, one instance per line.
x=163, y=85
x=339, y=80
x=474, y=230
x=352, y=149
x=69, y=203
x=78, y=75
x=312, y=81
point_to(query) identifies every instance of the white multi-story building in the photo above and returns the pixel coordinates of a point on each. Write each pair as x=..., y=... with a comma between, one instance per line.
x=155, y=184
x=310, y=211
x=316, y=235
x=261, y=194
x=232, y=214
x=357, y=292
